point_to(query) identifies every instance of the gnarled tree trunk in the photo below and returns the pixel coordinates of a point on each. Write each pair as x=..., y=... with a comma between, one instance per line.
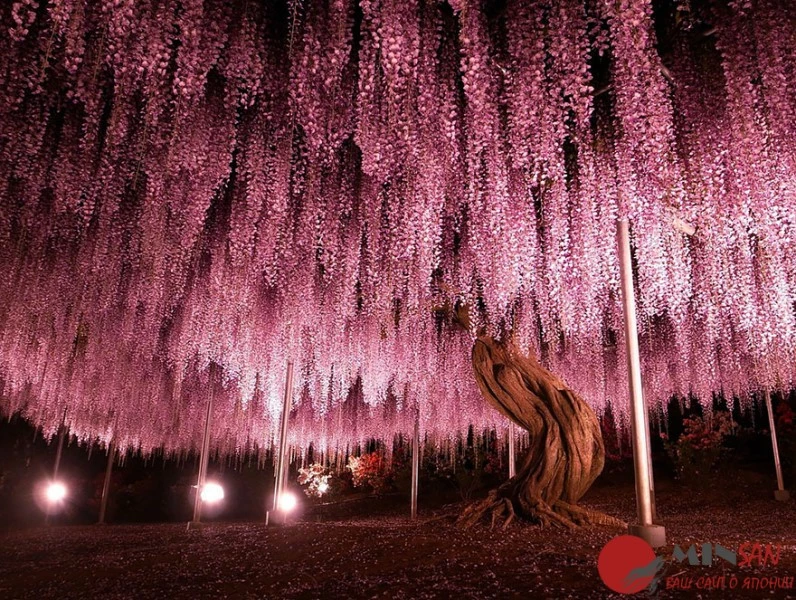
x=566, y=453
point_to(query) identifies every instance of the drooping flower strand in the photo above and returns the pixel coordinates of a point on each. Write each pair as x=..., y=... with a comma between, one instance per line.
x=193, y=193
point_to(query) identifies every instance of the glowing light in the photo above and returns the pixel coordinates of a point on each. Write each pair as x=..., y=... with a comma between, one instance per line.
x=212, y=493
x=323, y=487
x=55, y=492
x=287, y=502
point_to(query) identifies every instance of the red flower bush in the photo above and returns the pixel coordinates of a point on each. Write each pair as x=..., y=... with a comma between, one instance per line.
x=700, y=446
x=372, y=471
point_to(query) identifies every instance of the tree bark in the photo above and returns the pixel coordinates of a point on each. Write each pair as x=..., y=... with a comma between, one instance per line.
x=566, y=453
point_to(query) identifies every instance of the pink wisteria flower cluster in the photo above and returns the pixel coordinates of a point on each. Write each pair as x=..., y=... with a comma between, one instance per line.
x=186, y=183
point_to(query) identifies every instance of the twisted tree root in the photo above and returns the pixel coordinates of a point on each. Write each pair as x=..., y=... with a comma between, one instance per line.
x=561, y=514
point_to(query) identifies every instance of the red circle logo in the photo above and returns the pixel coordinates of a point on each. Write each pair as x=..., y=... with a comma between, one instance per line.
x=627, y=564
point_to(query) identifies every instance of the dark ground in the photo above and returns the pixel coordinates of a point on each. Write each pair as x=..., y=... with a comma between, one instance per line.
x=368, y=549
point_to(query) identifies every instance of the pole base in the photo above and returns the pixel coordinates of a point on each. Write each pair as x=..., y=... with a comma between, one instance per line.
x=781, y=495
x=276, y=517
x=194, y=525
x=654, y=535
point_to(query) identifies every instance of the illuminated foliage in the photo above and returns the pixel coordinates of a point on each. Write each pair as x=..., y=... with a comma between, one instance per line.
x=195, y=182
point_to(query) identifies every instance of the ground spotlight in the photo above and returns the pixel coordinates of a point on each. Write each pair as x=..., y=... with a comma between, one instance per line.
x=287, y=502
x=212, y=493
x=55, y=492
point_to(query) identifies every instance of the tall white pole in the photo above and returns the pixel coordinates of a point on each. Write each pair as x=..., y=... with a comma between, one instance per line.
x=106, y=485
x=203, y=460
x=60, y=450
x=280, y=469
x=655, y=535
x=512, y=463
x=649, y=463
x=781, y=493
x=58, y=453
x=415, y=464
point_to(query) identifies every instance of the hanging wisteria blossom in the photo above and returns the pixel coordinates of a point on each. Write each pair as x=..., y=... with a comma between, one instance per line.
x=194, y=192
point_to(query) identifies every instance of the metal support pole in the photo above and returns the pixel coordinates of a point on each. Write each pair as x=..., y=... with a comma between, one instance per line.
x=512, y=463
x=60, y=450
x=649, y=463
x=203, y=460
x=106, y=486
x=58, y=453
x=286, y=470
x=280, y=470
x=781, y=493
x=655, y=535
x=415, y=464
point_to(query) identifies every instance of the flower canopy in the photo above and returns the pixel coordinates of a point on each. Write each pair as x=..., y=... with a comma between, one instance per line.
x=193, y=192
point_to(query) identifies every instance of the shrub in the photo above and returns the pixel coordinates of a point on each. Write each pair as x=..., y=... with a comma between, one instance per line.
x=315, y=479
x=371, y=471
x=700, y=446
